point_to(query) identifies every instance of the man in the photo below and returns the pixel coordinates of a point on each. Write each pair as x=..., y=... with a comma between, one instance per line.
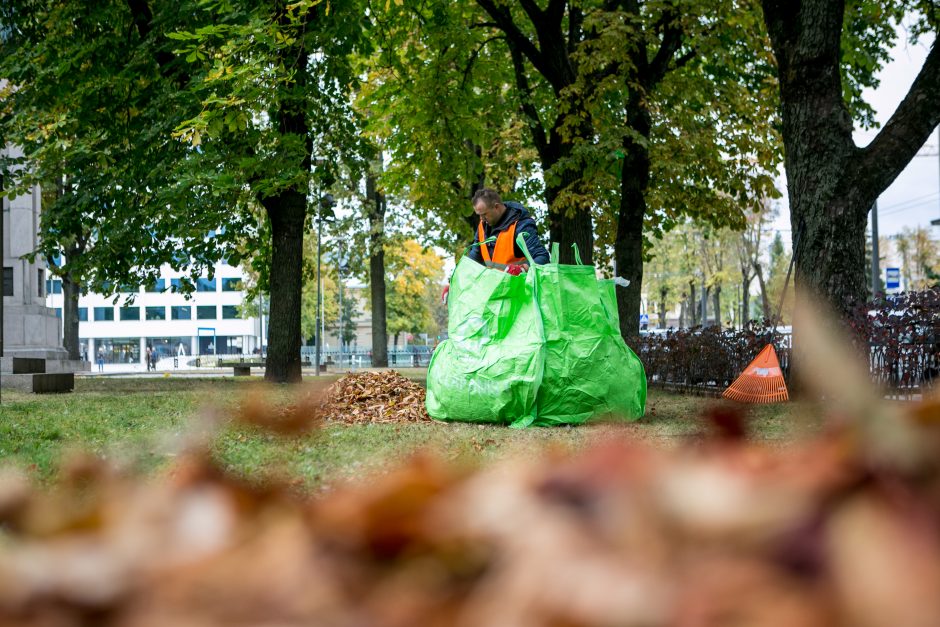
x=505, y=221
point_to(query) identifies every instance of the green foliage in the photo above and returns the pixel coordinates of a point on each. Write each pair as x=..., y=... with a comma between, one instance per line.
x=414, y=276
x=93, y=111
x=437, y=99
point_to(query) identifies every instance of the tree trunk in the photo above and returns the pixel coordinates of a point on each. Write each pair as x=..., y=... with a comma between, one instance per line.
x=704, y=304
x=693, y=305
x=662, y=308
x=628, y=246
x=286, y=213
x=682, y=312
x=70, y=293
x=717, y=303
x=375, y=209
x=745, y=300
x=764, y=296
x=831, y=183
x=567, y=230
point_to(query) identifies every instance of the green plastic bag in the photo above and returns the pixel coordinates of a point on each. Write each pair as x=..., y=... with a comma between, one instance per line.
x=543, y=348
x=589, y=370
x=490, y=367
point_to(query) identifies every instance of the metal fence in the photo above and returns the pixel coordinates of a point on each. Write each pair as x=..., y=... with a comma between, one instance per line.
x=706, y=359
x=899, y=335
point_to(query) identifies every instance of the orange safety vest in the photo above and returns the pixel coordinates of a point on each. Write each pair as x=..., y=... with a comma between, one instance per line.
x=504, y=251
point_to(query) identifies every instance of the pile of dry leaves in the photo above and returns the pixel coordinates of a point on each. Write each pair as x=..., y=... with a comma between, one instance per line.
x=375, y=397
x=840, y=529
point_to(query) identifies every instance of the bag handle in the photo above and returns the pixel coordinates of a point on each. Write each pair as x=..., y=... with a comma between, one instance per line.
x=577, y=255
x=488, y=240
x=520, y=242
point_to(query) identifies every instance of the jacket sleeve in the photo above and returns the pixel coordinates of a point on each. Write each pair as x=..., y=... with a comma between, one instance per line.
x=532, y=241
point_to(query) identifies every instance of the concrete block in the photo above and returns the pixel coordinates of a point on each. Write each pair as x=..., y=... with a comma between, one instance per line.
x=28, y=365
x=49, y=383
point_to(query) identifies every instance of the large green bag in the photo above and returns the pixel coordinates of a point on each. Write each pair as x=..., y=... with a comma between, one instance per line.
x=589, y=370
x=543, y=348
x=490, y=367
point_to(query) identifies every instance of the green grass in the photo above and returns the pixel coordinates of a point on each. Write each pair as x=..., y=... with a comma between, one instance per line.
x=138, y=421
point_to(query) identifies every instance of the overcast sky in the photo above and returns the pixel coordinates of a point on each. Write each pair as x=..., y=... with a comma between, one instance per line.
x=914, y=198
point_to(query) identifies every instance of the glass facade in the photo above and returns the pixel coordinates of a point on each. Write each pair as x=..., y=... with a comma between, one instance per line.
x=157, y=286
x=104, y=314
x=205, y=285
x=206, y=312
x=231, y=285
x=184, y=312
x=118, y=350
x=170, y=346
x=83, y=314
x=227, y=345
x=156, y=313
x=230, y=312
x=130, y=313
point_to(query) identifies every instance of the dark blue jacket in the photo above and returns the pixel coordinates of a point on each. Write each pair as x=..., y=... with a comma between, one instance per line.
x=524, y=224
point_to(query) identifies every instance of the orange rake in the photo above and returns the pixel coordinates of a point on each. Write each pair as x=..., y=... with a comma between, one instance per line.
x=761, y=382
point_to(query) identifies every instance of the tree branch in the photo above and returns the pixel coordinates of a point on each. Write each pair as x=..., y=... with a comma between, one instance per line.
x=672, y=39
x=879, y=163
x=528, y=109
x=504, y=22
x=473, y=58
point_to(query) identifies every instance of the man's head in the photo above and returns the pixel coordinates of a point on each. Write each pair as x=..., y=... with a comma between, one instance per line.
x=488, y=205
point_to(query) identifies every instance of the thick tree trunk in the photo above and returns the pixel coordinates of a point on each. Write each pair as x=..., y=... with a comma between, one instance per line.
x=628, y=245
x=286, y=213
x=375, y=208
x=575, y=229
x=70, y=293
x=831, y=183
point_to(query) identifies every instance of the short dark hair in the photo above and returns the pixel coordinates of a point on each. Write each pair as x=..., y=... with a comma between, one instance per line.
x=489, y=197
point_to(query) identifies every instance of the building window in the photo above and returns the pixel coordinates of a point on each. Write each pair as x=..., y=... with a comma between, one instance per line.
x=181, y=313
x=7, y=280
x=104, y=314
x=130, y=313
x=205, y=285
x=205, y=312
x=229, y=312
x=156, y=313
x=41, y=279
x=53, y=286
x=231, y=285
x=129, y=289
x=83, y=314
x=58, y=312
x=157, y=286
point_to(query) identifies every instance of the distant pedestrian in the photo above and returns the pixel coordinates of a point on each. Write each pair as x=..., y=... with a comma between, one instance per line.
x=100, y=360
x=149, y=358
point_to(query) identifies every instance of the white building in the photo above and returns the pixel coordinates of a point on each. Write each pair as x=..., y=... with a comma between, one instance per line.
x=210, y=321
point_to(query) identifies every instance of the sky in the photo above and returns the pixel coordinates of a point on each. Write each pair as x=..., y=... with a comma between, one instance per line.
x=913, y=199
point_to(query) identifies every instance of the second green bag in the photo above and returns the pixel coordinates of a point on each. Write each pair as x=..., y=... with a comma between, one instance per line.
x=589, y=370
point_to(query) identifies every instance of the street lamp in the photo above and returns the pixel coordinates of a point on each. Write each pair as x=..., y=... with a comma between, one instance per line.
x=325, y=206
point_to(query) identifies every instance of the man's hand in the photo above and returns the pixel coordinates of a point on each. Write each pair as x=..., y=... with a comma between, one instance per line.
x=517, y=269
x=444, y=294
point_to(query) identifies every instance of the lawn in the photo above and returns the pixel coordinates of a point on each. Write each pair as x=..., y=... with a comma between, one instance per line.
x=142, y=423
